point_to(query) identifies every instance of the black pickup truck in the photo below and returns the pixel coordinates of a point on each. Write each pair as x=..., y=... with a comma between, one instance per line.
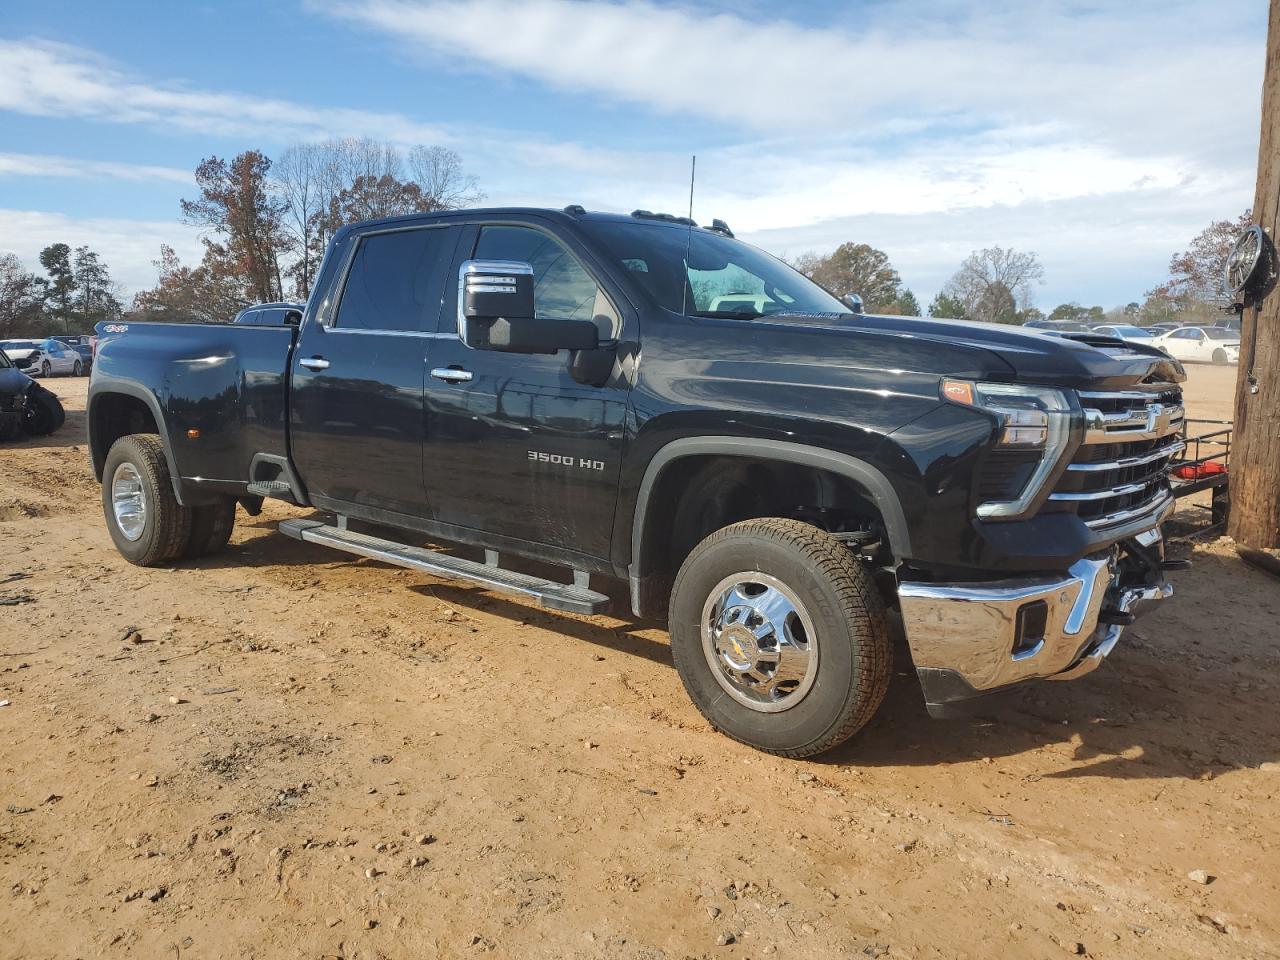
x=641, y=400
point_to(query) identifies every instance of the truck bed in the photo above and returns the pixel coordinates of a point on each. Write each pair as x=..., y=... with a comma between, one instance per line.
x=228, y=384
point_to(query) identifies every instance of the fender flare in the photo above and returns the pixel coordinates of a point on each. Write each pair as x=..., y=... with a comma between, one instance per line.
x=864, y=474
x=152, y=403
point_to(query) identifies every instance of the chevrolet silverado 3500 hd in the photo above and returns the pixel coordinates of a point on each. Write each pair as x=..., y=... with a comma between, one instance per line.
x=640, y=399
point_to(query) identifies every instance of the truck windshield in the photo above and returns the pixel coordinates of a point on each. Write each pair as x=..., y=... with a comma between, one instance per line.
x=724, y=277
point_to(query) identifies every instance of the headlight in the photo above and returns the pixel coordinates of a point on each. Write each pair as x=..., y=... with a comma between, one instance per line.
x=1033, y=433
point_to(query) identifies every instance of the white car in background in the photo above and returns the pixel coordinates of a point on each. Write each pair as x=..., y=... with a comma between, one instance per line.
x=1203, y=344
x=43, y=358
x=1127, y=332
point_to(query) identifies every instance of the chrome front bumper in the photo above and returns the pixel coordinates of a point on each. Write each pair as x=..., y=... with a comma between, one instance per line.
x=974, y=638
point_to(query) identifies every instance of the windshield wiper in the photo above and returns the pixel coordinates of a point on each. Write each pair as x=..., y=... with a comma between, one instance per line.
x=728, y=314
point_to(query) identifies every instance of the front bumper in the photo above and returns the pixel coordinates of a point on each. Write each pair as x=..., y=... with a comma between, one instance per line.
x=971, y=639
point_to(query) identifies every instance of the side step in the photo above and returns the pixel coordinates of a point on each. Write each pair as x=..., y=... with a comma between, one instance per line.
x=272, y=488
x=558, y=596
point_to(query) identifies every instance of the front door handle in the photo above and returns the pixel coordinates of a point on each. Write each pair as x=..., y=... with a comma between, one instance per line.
x=314, y=363
x=452, y=374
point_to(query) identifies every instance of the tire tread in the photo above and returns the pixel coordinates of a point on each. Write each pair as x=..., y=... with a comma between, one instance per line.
x=173, y=520
x=860, y=602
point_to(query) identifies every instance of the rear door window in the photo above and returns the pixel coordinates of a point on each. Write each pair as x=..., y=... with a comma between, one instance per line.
x=396, y=280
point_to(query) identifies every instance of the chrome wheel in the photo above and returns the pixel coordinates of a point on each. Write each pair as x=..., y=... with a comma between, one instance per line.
x=129, y=501
x=759, y=641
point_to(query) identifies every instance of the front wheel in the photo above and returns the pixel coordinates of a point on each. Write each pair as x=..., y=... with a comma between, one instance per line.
x=46, y=369
x=1219, y=356
x=144, y=518
x=780, y=636
x=78, y=369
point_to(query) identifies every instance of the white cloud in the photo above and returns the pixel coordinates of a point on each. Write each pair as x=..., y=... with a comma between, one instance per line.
x=1102, y=136
x=1094, y=250
x=1133, y=73
x=1095, y=134
x=127, y=247
x=45, y=165
x=58, y=80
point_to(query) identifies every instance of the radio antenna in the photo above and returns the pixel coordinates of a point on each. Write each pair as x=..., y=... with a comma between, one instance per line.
x=688, y=244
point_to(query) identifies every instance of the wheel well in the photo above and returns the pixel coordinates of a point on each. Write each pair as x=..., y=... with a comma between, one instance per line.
x=696, y=495
x=116, y=415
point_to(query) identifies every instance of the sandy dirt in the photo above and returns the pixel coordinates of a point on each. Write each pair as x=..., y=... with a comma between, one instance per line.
x=310, y=755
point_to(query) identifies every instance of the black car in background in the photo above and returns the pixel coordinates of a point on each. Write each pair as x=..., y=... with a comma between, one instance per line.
x=25, y=406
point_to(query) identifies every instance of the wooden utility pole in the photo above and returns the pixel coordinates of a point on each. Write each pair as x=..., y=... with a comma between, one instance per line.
x=1255, y=450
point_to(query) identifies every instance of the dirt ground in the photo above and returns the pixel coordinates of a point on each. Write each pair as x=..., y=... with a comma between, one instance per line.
x=310, y=755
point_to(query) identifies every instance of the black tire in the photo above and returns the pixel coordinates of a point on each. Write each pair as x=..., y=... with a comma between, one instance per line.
x=211, y=526
x=10, y=426
x=78, y=369
x=855, y=653
x=166, y=529
x=1219, y=356
x=46, y=370
x=44, y=412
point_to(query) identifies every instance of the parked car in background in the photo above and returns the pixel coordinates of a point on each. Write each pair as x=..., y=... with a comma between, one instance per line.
x=81, y=345
x=1203, y=344
x=271, y=314
x=44, y=357
x=26, y=406
x=1126, y=331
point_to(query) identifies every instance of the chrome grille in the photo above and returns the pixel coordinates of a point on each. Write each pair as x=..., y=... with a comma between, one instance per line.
x=1120, y=472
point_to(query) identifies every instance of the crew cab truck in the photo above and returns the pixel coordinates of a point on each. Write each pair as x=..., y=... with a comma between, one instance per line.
x=640, y=399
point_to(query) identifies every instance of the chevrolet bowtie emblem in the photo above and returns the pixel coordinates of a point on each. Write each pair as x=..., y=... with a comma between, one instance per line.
x=1154, y=411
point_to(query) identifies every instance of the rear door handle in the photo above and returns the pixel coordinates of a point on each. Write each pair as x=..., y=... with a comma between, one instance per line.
x=314, y=363
x=452, y=374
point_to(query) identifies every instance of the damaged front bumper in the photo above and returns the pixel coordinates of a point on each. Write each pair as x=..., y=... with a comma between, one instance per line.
x=971, y=639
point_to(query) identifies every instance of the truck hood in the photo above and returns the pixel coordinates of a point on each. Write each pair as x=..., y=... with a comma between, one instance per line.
x=1007, y=352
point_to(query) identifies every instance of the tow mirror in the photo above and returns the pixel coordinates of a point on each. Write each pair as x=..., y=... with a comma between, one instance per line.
x=495, y=312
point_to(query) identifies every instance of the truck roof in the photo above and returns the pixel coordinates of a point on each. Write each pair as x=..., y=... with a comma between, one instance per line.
x=571, y=213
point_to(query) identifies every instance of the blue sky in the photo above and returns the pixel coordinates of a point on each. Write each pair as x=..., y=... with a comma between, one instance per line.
x=1102, y=136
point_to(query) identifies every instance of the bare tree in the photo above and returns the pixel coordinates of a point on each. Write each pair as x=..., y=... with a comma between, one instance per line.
x=991, y=280
x=438, y=173
x=299, y=178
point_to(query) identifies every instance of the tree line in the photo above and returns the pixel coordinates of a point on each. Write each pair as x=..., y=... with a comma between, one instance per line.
x=74, y=293
x=996, y=285
x=266, y=224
